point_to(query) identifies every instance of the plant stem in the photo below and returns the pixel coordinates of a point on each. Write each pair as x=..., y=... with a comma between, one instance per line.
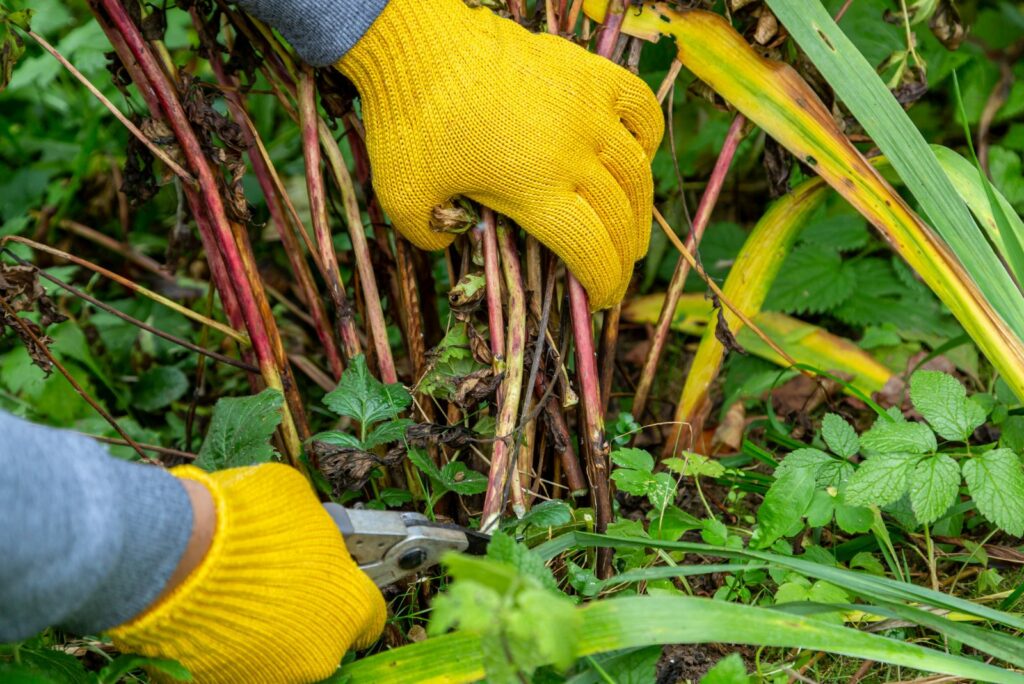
x=262, y=169
x=503, y=459
x=251, y=298
x=361, y=250
x=675, y=288
x=308, y=120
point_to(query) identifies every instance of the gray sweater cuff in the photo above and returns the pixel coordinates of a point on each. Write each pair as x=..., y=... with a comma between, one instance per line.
x=322, y=31
x=88, y=541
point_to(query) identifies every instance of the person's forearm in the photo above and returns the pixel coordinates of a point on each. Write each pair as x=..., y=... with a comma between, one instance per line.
x=88, y=541
x=321, y=31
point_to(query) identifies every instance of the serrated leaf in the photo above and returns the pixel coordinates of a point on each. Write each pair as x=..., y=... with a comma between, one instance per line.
x=458, y=478
x=240, y=431
x=902, y=437
x=881, y=479
x=822, y=507
x=784, y=505
x=996, y=483
x=631, y=666
x=661, y=490
x=548, y=514
x=933, y=487
x=421, y=459
x=637, y=459
x=807, y=458
x=505, y=549
x=386, y=433
x=1012, y=436
x=839, y=435
x=337, y=438
x=943, y=402
x=694, y=465
x=813, y=279
x=364, y=398
x=728, y=670
x=843, y=232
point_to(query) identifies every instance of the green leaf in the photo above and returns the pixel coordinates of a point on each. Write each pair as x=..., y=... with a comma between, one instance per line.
x=631, y=666
x=547, y=514
x=672, y=524
x=421, y=459
x=159, y=387
x=890, y=437
x=458, y=478
x=694, y=465
x=933, y=487
x=784, y=505
x=839, y=435
x=728, y=670
x=636, y=482
x=505, y=549
x=364, y=398
x=386, y=433
x=452, y=359
x=812, y=280
x=1012, y=436
x=240, y=431
x=996, y=483
x=854, y=519
x=637, y=459
x=337, y=438
x=943, y=402
x=124, y=664
x=807, y=458
x=881, y=479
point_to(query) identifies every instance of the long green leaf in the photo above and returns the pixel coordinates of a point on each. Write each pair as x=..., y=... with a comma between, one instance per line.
x=863, y=92
x=615, y=624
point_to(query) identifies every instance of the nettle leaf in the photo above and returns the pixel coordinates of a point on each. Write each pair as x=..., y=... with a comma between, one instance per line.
x=505, y=549
x=943, y=402
x=386, y=433
x=879, y=480
x=728, y=670
x=813, y=279
x=898, y=437
x=996, y=483
x=933, y=487
x=159, y=387
x=637, y=459
x=808, y=458
x=457, y=477
x=240, y=431
x=421, y=459
x=337, y=438
x=839, y=435
x=784, y=506
x=364, y=398
x=547, y=514
x=1012, y=436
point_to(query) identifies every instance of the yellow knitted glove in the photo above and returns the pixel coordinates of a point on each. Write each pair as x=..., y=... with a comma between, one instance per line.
x=460, y=102
x=277, y=597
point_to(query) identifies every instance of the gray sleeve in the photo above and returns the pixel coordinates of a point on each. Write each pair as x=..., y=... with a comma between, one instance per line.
x=322, y=31
x=87, y=541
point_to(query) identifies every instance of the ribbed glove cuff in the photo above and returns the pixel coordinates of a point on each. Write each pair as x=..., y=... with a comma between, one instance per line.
x=277, y=598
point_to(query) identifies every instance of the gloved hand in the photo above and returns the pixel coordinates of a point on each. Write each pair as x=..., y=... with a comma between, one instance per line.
x=277, y=597
x=460, y=102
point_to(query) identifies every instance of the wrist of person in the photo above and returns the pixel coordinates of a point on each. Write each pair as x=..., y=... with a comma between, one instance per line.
x=275, y=597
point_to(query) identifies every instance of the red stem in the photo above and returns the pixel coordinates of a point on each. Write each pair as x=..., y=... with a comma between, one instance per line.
x=675, y=288
x=308, y=119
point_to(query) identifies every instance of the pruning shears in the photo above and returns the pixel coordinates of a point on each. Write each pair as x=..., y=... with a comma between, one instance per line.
x=390, y=545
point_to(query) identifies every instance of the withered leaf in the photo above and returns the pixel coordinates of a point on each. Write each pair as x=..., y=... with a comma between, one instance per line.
x=723, y=334
x=21, y=291
x=348, y=468
x=425, y=434
x=475, y=387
